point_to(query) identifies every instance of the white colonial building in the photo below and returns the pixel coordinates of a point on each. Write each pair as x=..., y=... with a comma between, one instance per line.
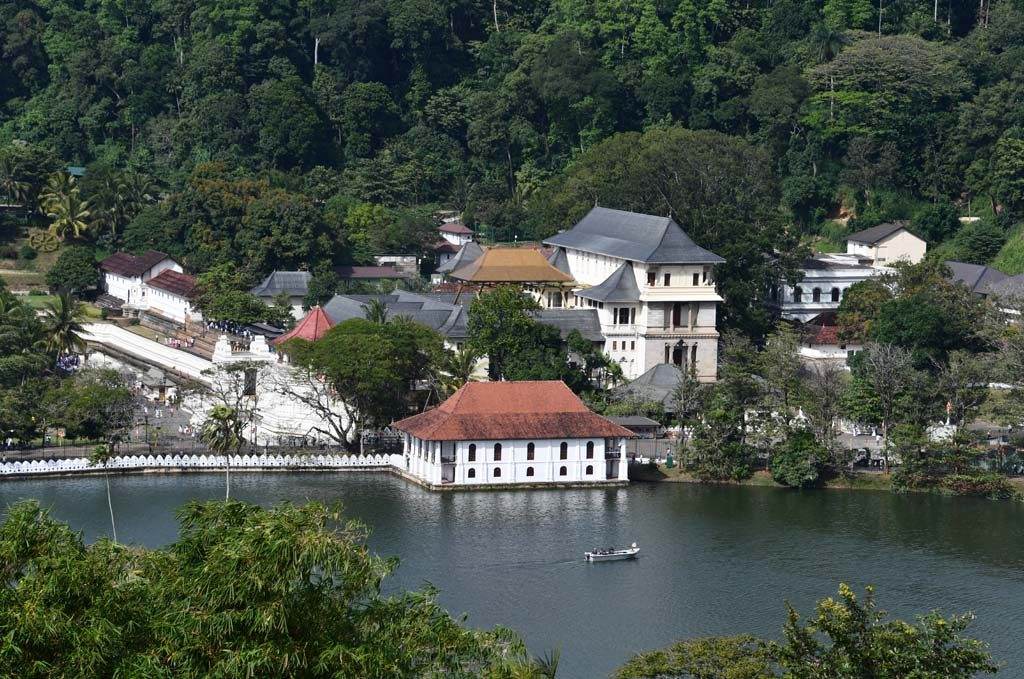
x=124, y=274
x=825, y=277
x=169, y=294
x=653, y=287
x=507, y=433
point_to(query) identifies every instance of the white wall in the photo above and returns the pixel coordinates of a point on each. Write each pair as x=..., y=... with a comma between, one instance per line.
x=424, y=461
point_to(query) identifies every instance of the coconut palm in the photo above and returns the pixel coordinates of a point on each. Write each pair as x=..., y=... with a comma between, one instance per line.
x=458, y=368
x=70, y=215
x=58, y=185
x=376, y=312
x=12, y=190
x=101, y=455
x=222, y=433
x=62, y=325
x=828, y=42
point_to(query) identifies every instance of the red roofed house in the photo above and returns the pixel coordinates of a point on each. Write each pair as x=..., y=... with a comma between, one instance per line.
x=124, y=274
x=456, y=233
x=311, y=328
x=511, y=433
x=820, y=340
x=169, y=294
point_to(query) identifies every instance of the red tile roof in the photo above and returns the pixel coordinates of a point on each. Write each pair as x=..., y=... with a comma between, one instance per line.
x=176, y=283
x=446, y=246
x=131, y=266
x=494, y=411
x=455, y=227
x=312, y=327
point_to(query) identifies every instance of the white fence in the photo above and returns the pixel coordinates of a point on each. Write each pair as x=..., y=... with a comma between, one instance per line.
x=178, y=462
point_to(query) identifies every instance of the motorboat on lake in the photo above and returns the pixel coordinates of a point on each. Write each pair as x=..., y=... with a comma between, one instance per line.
x=611, y=554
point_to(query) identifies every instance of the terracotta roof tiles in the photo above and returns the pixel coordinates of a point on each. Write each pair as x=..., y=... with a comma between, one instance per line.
x=487, y=411
x=174, y=282
x=132, y=266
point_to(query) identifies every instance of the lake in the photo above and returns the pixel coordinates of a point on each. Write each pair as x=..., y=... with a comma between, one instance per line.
x=714, y=559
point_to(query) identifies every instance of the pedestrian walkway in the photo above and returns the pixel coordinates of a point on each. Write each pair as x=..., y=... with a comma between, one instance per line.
x=174, y=361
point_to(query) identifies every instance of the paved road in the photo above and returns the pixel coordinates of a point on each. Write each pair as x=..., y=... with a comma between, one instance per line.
x=172, y=360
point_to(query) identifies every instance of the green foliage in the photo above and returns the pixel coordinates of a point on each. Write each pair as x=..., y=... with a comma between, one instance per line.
x=846, y=637
x=800, y=461
x=936, y=222
x=979, y=242
x=501, y=328
x=94, y=405
x=75, y=270
x=374, y=366
x=285, y=591
x=223, y=295
x=1010, y=259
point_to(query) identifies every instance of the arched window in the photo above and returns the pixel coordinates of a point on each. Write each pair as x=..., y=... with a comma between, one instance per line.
x=497, y=452
x=530, y=448
x=798, y=294
x=563, y=451
x=590, y=469
x=590, y=450
x=816, y=295
x=562, y=471
x=835, y=294
x=529, y=471
x=471, y=473
x=472, y=453
x=497, y=472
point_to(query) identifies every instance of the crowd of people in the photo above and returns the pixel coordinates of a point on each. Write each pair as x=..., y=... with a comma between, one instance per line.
x=68, y=362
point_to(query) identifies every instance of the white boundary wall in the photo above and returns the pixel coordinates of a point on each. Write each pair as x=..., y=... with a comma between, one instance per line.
x=183, y=462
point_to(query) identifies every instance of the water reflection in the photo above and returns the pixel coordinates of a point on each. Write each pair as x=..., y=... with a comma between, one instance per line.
x=714, y=560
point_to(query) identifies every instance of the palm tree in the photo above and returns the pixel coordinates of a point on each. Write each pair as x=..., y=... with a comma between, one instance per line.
x=828, y=42
x=222, y=433
x=58, y=185
x=458, y=368
x=376, y=312
x=101, y=455
x=62, y=325
x=70, y=215
x=12, y=190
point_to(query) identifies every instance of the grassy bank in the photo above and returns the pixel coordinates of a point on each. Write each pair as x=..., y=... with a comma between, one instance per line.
x=855, y=481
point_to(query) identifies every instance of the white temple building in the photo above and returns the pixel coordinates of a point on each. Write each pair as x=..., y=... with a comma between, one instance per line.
x=653, y=288
x=513, y=433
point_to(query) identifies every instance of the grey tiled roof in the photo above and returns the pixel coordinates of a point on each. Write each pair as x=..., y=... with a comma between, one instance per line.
x=635, y=421
x=1011, y=287
x=560, y=260
x=567, y=320
x=634, y=236
x=467, y=254
x=657, y=384
x=291, y=283
x=619, y=287
x=977, y=277
x=433, y=311
x=876, y=233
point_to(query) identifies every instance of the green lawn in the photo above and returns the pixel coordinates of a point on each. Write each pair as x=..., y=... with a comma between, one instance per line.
x=36, y=301
x=21, y=280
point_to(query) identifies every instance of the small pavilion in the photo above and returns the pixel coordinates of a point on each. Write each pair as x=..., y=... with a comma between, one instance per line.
x=311, y=328
x=524, y=267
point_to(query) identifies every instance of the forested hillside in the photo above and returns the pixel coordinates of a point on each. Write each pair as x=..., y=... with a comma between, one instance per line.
x=288, y=133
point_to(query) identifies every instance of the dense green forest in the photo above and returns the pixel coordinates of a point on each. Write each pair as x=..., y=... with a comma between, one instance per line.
x=291, y=133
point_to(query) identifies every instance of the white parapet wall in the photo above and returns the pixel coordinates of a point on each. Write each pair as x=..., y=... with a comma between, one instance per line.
x=200, y=462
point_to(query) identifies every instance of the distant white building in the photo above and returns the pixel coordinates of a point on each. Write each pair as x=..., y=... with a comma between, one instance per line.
x=124, y=275
x=653, y=287
x=513, y=433
x=826, y=277
x=456, y=233
x=887, y=244
x=169, y=294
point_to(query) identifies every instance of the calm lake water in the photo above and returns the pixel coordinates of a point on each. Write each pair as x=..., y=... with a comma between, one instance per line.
x=714, y=560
